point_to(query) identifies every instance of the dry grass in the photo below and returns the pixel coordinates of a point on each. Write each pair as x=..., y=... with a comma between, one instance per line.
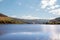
x=8, y=20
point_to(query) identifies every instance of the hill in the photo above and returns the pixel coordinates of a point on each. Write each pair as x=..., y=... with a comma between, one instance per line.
x=55, y=21
x=36, y=21
x=8, y=20
x=2, y=15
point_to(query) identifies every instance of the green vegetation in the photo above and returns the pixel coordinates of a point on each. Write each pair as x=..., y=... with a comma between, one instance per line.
x=55, y=21
x=8, y=20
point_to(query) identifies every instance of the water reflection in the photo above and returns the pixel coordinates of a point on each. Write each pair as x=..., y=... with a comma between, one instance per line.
x=30, y=32
x=21, y=28
x=25, y=36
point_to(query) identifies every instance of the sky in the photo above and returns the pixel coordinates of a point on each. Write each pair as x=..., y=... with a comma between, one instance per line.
x=31, y=9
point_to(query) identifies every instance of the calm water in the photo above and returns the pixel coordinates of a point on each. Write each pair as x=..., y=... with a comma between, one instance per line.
x=28, y=31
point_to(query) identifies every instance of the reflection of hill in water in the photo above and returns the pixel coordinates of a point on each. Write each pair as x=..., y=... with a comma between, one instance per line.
x=23, y=32
x=2, y=29
x=2, y=32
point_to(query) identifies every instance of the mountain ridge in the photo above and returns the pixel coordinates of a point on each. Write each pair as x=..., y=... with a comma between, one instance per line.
x=4, y=19
x=8, y=20
x=2, y=15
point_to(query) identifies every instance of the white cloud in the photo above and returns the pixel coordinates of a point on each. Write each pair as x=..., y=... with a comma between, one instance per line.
x=25, y=17
x=46, y=3
x=52, y=18
x=51, y=6
x=55, y=11
x=14, y=16
x=29, y=17
x=52, y=2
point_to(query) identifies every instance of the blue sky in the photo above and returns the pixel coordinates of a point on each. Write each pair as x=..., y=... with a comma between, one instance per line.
x=31, y=9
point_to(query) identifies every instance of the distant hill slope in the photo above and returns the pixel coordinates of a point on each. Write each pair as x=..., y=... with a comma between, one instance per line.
x=2, y=15
x=58, y=19
x=36, y=21
x=55, y=21
x=8, y=20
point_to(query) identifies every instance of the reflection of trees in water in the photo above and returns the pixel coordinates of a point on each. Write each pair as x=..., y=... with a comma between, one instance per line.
x=2, y=32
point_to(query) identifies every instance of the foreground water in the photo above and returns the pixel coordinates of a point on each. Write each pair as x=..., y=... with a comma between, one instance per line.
x=29, y=32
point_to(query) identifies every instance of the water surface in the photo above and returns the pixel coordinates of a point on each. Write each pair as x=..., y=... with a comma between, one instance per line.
x=27, y=31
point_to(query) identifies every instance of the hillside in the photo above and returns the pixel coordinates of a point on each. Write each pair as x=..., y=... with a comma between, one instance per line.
x=36, y=21
x=8, y=20
x=2, y=15
x=55, y=21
